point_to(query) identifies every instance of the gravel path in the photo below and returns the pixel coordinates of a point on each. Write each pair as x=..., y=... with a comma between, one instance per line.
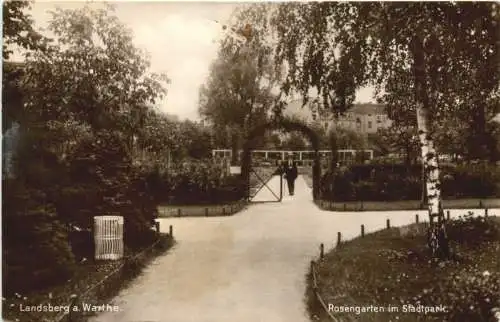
x=249, y=267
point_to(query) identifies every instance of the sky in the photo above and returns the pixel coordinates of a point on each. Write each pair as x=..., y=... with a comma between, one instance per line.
x=180, y=37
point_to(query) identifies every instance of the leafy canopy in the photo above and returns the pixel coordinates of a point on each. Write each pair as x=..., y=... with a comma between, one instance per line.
x=337, y=47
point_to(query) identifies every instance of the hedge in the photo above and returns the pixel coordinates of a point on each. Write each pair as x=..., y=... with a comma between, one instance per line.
x=198, y=182
x=381, y=182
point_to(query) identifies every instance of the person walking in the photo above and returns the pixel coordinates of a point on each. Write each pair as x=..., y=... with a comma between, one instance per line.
x=291, y=173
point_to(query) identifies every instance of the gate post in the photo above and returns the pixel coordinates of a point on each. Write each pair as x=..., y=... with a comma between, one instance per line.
x=281, y=183
x=316, y=176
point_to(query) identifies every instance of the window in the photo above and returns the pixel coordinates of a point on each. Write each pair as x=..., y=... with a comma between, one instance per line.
x=379, y=118
x=369, y=124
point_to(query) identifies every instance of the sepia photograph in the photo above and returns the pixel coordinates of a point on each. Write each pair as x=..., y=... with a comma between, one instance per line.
x=227, y=161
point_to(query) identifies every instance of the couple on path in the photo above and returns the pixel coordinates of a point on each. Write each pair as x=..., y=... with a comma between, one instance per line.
x=289, y=168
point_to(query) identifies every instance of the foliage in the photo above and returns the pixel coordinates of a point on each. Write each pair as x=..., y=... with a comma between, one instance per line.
x=389, y=182
x=347, y=139
x=398, y=140
x=35, y=249
x=294, y=141
x=338, y=47
x=199, y=182
x=238, y=93
x=17, y=28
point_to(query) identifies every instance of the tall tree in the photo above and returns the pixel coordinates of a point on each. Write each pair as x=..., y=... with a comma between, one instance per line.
x=446, y=53
x=85, y=97
x=238, y=93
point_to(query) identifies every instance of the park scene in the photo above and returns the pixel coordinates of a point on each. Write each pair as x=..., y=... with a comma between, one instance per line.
x=294, y=161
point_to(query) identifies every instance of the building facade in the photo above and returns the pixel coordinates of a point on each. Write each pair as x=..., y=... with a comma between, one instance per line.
x=363, y=118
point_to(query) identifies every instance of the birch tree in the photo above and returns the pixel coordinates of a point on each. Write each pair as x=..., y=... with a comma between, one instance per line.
x=445, y=54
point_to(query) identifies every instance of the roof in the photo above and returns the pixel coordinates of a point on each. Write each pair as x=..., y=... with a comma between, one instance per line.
x=295, y=107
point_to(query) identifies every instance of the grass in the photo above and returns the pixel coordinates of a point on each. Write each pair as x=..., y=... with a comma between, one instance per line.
x=115, y=274
x=394, y=267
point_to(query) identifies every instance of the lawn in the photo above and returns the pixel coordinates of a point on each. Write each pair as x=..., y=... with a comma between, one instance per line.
x=393, y=268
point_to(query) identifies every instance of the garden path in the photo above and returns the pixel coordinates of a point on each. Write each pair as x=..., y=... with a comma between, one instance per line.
x=248, y=267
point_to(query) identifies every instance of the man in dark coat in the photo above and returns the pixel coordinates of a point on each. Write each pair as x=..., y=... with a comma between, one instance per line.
x=291, y=172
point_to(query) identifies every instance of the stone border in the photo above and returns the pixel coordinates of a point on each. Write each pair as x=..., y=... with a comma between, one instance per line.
x=201, y=210
x=349, y=206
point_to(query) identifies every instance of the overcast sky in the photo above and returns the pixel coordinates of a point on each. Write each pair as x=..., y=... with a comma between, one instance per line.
x=181, y=38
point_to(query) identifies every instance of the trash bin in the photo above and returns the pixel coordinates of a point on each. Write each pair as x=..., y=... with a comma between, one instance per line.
x=108, y=237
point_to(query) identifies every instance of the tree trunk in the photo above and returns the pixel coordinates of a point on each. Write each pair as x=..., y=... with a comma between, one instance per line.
x=437, y=239
x=430, y=163
x=423, y=198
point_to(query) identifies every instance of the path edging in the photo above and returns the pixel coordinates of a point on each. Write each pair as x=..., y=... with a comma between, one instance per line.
x=223, y=210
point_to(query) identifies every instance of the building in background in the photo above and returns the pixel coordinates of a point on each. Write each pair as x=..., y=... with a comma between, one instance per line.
x=364, y=118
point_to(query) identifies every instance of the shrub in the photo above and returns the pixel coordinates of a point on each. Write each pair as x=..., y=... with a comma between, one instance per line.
x=472, y=231
x=102, y=180
x=199, y=182
x=383, y=182
x=35, y=243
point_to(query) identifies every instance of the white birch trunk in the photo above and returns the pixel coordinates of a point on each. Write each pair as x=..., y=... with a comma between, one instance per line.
x=430, y=163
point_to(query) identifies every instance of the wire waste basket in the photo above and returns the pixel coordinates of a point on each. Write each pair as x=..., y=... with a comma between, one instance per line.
x=108, y=237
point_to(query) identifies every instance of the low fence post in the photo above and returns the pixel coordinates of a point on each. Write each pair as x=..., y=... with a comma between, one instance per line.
x=447, y=215
x=486, y=212
x=179, y=212
x=339, y=238
x=321, y=250
x=388, y=223
x=362, y=230
x=480, y=204
x=345, y=207
x=171, y=231
x=206, y=212
x=416, y=218
x=157, y=227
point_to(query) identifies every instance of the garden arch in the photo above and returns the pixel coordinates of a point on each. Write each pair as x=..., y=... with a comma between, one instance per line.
x=288, y=125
